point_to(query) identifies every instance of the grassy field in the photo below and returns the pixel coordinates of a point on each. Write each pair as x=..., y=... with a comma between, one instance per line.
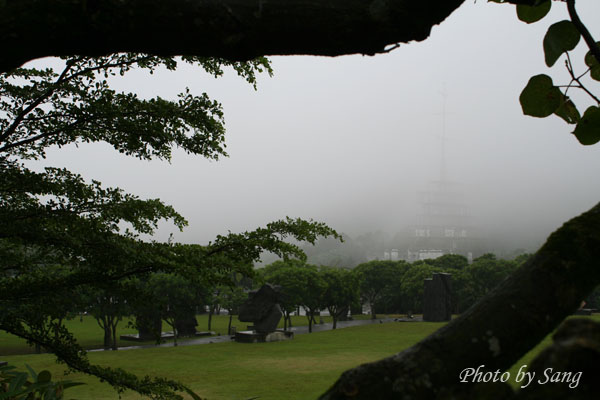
x=90, y=335
x=298, y=369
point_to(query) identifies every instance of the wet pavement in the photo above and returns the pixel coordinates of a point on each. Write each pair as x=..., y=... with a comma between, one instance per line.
x=299, y=330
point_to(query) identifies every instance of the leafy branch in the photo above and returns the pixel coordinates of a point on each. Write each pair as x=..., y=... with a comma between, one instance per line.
x=16, y=385
x=541, y=97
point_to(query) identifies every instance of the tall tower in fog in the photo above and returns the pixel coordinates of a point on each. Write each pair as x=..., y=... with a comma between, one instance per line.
x=444, y=224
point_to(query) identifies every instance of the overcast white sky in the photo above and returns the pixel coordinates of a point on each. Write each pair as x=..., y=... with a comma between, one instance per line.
x=350, y=140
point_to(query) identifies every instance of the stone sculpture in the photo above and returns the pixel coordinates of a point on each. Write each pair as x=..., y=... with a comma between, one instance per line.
x=437, y=298
x=263, y=310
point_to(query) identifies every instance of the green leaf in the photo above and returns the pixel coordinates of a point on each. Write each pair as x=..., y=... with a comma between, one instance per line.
x=540, y=98
x=594, y=64
x=532, y=14
x=69, y=384
x=568, y=111
x=561, y=37
x=17, y=382
x=44, y=377
x=32, y=372
x=587, y=130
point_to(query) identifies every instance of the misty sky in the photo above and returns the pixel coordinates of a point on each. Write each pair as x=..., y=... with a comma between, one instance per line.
x=350, y=140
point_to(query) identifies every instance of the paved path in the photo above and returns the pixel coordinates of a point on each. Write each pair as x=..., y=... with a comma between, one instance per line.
x=227, y=338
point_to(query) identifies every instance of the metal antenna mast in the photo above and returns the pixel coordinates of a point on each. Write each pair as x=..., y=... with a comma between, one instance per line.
x=443, y=150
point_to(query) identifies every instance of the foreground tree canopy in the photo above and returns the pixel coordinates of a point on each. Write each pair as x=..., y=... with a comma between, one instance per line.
x=58, y=232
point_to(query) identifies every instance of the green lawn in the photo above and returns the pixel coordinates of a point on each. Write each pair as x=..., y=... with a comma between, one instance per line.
x=90, y=335
x=298, y=369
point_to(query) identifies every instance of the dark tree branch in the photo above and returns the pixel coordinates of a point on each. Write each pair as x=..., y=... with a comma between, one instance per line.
x=33, y=105
x=236, y=30
x=589, y=40
x=67, y=128
x=498, y=330
x=29, y=140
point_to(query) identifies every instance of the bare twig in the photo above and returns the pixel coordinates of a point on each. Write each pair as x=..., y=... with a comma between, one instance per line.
x=576, y=79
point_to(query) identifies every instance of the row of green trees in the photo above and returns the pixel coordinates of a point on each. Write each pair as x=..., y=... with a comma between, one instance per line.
x=313, y=288
x=397, y=286
x=386, y=286
x=146, y=303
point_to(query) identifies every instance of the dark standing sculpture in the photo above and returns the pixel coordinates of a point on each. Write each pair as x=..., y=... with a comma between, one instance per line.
x=149, y=327
x=186, y=326
x=262, y=309
x=437, y=298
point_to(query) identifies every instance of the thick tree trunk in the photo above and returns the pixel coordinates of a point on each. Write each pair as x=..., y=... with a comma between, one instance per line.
x=229, y=325
x=172, y=323
x=108, y=322
x=210, y=314
x=232, y=29
x=115, y=343
x=498, y=330
x=107, y=331
x=333, y=311
x=107, y=337
x=287, y=320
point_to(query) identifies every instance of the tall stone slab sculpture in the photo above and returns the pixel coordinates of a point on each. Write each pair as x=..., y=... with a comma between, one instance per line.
x=186, y=326
x=149, y=326
x=263, y=310
x=437, y=305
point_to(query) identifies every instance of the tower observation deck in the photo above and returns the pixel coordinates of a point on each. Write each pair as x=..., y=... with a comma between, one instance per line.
x=444, y=224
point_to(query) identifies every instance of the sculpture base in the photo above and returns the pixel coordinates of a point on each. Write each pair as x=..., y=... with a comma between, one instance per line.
x=135, y=337
x=260, y=337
